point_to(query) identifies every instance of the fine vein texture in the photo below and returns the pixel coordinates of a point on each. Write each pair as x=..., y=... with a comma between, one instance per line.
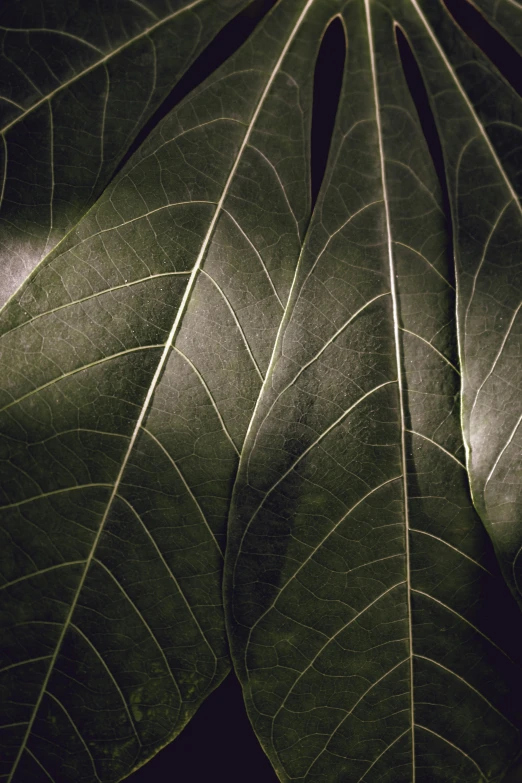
x=77, y=81
x=480, y=121
x=361, y=587
x=132, y=361
x=195, y=349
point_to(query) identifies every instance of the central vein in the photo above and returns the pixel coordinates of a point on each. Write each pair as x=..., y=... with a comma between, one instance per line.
x=158, y=373
x=395, y=308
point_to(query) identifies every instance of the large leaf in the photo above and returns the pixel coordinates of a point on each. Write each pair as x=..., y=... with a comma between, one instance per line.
x=75, y=87
x=364, y=599
x=133, y=358
x=480, y=119
x=191, y=340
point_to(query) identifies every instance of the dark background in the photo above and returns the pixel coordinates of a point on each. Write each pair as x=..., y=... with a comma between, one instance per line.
x=218, y=744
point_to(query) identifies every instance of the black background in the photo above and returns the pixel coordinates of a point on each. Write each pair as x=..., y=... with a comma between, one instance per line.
x=218, y=744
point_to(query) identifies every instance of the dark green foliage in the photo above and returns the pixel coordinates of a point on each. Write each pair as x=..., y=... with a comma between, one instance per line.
x=195, y=366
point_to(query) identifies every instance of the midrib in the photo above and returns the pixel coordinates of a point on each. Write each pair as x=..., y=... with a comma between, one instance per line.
x=395, y=309
x=161, y=364
x=468, y=103
x=96, y=64
x=48, y=97
x=513, y=197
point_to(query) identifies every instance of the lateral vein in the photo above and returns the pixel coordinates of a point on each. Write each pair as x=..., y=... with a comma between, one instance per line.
x=314, y=444
x=436, y=350
x=111, y=677
x=160, y=445
x=501, y=454
x=39, y=763
x=471, y=687
x=434, y=443
x=145, y=623
x=237, y=323
x=159, y=369
x=319, y=353
x=430, y=731
x=95, y=295
x=497, y=357
x=366, y=692
x=318, y=546
x=99, y=62
x=77, y=370
x=209, y=395
x=446, y=543
x=474, y=114
x=464, y=620
x=176, y=582
x=76, y=731
x=386, y=749
x=40, y=572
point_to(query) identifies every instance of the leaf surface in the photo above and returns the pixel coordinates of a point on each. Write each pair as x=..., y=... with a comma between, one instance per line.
x=480, y=120
x=505, y=16
x=364, y=596
x=76, y=85
x=133, y=358
x=195, y=349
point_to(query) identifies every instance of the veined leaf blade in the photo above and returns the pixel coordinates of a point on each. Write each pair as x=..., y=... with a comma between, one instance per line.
x=135, y=355
x=69, y=72
x=355, y=555
x=480, y=143
x=188, y=325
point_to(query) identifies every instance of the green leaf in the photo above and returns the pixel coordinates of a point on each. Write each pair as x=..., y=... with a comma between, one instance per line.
x=505, y=16
x=196, y=348
x=364, y=598
x=75, y=87
x=480, y=120
x=133, y=359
